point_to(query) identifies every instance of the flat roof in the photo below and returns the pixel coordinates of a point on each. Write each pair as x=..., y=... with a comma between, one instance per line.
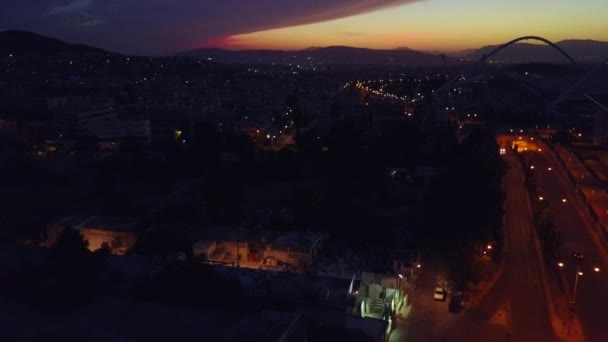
x=293, y=239
x=300, y=287
x=98, y=222
x=132, y=320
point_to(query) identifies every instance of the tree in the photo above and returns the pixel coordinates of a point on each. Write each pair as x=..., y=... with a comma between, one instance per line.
x=104, y=250
x=71, y=244
x=562, y=137
x=224, y=195
x=464, y=207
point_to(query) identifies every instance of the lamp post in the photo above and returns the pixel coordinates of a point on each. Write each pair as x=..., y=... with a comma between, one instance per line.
x=412, y=271
x=399, y=277
x=578, y=274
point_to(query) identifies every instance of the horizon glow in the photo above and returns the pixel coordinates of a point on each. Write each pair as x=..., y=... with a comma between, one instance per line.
x=159, y=27
x=440, y=25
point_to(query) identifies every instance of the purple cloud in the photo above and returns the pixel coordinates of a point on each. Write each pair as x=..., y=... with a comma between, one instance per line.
x=78, y=6
x=165, y=26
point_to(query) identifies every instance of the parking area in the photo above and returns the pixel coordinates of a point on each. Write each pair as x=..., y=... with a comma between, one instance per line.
x=427, y=319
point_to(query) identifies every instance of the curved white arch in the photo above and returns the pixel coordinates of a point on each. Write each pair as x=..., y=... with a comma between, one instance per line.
x=516, y=40
x=482, y=60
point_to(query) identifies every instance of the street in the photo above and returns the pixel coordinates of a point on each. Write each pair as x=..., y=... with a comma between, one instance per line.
x=529, y=308
x=514, y=309
x=574, y=230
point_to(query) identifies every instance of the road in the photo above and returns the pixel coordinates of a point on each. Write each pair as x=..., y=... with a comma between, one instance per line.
x=575, y=230
x=429, y=320
x=515, y=309
x=530, y=320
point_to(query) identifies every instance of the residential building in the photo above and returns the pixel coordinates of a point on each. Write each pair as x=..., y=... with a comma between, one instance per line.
x=120, y=234
x=293, y=252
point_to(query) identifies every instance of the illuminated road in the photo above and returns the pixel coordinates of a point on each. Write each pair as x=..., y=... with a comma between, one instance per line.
x=530, y=320
x=520, y=287
x=519, y=292
x=573, y=227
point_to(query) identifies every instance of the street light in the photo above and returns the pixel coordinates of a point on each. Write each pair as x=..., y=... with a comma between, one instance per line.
x=564, y=200
x=412, y=272
x=579, y=273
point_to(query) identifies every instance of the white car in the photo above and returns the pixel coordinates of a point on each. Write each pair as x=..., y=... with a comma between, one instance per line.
x=439, y=294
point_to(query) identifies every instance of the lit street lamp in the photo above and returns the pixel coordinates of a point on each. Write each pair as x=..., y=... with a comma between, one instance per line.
x=412, y=268
x=579, y=273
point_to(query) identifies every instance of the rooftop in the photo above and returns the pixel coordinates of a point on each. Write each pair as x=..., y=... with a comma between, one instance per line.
x=298, y=287
x=292, y=240
x=121, y=319
x=98, y=222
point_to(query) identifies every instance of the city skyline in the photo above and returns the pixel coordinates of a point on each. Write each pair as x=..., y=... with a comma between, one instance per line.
x=156, y=28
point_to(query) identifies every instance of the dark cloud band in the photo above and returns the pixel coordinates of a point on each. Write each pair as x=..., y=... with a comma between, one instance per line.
x=162, y=26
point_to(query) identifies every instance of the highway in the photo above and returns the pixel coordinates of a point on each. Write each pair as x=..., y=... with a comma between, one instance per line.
x=574, y=229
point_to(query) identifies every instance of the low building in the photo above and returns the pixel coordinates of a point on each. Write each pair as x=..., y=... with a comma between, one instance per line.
x=379, y=297
x=121, y=319
x=328, y=305
x=293, y=252
x=120, y=234
x=113, y=132
x=375, y=329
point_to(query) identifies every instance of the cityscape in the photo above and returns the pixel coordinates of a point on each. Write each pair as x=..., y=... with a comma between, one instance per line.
x=298, y=172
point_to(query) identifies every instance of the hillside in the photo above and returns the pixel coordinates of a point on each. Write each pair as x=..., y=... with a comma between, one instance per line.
x=29, y=43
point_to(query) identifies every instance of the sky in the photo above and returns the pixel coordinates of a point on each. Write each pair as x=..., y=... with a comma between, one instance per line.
x=156, y=27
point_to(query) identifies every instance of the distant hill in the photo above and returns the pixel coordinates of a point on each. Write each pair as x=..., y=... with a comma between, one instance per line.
x=29, y=43
x=332, y=55
x=580, y=50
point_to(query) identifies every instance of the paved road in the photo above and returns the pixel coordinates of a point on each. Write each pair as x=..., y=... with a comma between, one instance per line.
x=429, y=320
x=574, y=229
x=530, y=320
x=519, y=292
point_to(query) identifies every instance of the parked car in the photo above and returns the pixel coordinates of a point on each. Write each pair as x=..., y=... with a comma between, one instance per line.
x=456, y=302
x=578, y=255
x=439, y=294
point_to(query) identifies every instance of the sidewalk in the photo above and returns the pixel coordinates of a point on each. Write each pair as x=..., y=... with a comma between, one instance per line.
x=477, y=293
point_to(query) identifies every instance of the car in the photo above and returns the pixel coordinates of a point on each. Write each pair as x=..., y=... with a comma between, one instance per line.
x=578, y=255
x=456, y=302
x=439, y=294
